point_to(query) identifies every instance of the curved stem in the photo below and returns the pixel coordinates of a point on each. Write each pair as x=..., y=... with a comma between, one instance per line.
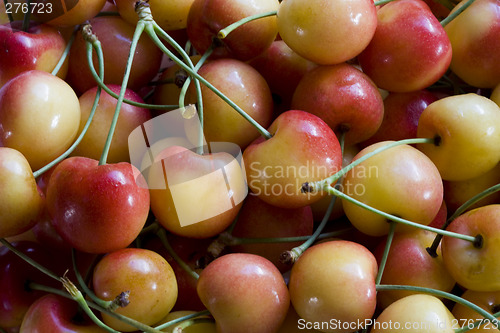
x=27, y=17
x=185, y=324
x=227, y=30
x=64, y=56
x=189, y=70
x=243, y=240
x=442, y=294
x=381, y=2
x=161, y=233
x=28, y=259
x=390, y=236
x=325, y=183
x=183, y=318
x=460, y=210
x=336, y=192
x=453, y=15
x=135, y=39
x=75, y=144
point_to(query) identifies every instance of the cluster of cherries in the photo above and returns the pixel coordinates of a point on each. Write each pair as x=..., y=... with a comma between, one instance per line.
x=241, y=166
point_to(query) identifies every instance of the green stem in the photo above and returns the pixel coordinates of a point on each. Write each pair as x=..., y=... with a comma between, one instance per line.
x=29, y=260
x=460, y=210
x=242, y=240
x=78, y=297
x=381, y=2
x=227, y=30
x=27, y=17
x=441, y=294
x=457, y=12
x=189, y=70
x=163, y=238
x=325, y=183
x=390, y=217
x=135, y=39
x=183, y=318
x=390, y=236
x=478, y=323
x=64, y=56
x=83, y=285
x=9, y=14
x=75, y=144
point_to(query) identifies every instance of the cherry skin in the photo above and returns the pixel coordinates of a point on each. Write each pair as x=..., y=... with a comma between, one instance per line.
x=146, y=275
x=54, y=313
x=129, y=118
x=409, y=50
x=344, y=97
x=39, y=116
x=21, y=203
x=207, y=17
x=488, y=301
x=244, y=293
x=334, y=280
x=72, y=13
x=39, y=48
x=97, y=208
x=303, y=149
x=327, y=33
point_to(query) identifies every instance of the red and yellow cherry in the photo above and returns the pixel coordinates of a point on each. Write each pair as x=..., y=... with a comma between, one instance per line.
x=303, y=149
x=408, y=263
x=344, y=97
x=207, y=17
x=474, y=265
x=214, y=182
x=40, y=48
x=489, y=301
x=258, y=219
x=97, y=208
x=409, y=50
x=415, y=313
x=327, y=32
x=21, y=203
x=39, y=116
x=334, y=281
x=54, y=313
x=401, y=114
x=129, y=118
x=294, y=324
x=115, y=36
x=474, y=43
x=401, y=181
x=69, y=13
x=466, y=129
x=244, y=293
x=245, y=86
x=170, y=15
x=146, y=276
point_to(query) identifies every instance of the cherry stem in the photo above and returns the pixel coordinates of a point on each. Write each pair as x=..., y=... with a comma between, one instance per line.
x=64, y=55
x=432, y=250
x=161, y=233
x=336, y=192
x=183, y=318
x=453, y=15
x=9, y=14
x=325, y=183
x=230, y=28
x=27, y=16
x=447, y=3
x=185, y=324
x=29, y=260
x=152, y=30
x=383, y=261
x=83, y=285
x=76, y=294
x=289, y=257
x=381, y=2
x=75, y=144
x=135, y=40
x=442, y=294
